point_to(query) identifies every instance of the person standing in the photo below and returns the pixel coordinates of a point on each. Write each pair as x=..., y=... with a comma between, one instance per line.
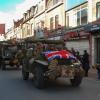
x=98, y=70
x=73, y=51
x=78, y=56
x=85, y=62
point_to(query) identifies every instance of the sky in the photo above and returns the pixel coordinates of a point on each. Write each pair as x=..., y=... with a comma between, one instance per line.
x=13, y=10
x=72, y=3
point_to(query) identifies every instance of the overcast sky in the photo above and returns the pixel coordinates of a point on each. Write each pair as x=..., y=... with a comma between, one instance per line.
x=14, y=9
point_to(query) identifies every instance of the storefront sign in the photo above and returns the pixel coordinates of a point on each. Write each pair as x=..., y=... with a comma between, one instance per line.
x=94, y=26
x=75, y=35
x=55, y=38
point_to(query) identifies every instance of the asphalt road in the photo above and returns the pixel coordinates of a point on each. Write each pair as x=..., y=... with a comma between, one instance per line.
x=12, y=87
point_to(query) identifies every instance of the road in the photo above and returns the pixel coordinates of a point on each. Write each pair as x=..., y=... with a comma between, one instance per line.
x=12, y=87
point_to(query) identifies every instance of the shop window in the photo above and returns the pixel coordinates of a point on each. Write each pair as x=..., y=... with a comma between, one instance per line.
x=56, y=21
x=98, y=10
x=51, y=23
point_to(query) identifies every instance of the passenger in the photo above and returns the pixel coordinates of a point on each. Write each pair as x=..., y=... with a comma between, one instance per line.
x=19, y=55
x=73, y=51
x=38, y=50
x=51, y=47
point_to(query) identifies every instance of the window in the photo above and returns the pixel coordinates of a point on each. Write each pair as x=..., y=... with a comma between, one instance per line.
x=78, y=18
x=84, y=16
x=25, y=16
x=42, y=24
x=56, y=21
x=55, y=2
x=28, y=30
x=51, y=23
x=98, y=10
x=67, y=21
x=51, y=3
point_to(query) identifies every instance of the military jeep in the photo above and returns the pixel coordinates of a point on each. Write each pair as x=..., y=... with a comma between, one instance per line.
x=7, y=55
x=43, y=69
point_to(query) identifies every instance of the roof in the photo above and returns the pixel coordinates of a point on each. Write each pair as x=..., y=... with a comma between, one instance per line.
x=17, y=23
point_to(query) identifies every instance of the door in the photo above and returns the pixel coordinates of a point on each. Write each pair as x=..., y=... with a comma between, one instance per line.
x=79, y=45
x=98, y=50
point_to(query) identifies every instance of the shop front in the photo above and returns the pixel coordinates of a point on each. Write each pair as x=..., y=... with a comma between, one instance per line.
x=77, y=39
x=94, y=29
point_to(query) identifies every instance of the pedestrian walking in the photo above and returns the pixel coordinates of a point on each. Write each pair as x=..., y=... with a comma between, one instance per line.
x=85, y=62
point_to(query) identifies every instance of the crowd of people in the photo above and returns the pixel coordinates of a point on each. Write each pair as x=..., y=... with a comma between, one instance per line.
x=84, y=59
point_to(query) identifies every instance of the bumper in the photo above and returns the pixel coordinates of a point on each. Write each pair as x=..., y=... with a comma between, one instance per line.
x=64, y=72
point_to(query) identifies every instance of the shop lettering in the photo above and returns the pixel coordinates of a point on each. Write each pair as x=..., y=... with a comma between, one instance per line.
x=73, y=34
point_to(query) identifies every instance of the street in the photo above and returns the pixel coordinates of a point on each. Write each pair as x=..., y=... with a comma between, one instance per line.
x=12, y=87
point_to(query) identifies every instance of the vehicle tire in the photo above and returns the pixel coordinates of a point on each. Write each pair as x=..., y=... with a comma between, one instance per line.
x=25, y=74
x=76, y=81
x=39, y=79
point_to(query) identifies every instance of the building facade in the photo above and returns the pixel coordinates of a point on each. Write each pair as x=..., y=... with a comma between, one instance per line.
x=76, y=18
x=18, y=29
x=94, y=29
x=40, y=20
x=55, y=18
x=75, y=21
x=10, y=33
x=28, y=23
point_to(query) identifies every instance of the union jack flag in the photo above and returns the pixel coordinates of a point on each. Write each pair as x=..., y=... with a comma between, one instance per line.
x=63, y=54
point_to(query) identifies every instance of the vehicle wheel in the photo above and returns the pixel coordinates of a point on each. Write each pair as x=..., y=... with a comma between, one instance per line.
x=3, y=66
x=39, y=79
x=25, y=74
x=76, y=81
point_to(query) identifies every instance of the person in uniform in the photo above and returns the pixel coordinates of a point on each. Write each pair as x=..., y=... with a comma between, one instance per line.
x=38, y=50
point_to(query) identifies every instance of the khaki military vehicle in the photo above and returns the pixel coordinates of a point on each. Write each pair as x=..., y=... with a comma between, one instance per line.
x=7, y=55
x=51, y=63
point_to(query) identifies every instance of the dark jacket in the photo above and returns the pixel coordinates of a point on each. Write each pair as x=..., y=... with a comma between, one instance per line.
x=85, y=61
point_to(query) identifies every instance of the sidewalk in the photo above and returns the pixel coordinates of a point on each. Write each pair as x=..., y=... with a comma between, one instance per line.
x=93, y=73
